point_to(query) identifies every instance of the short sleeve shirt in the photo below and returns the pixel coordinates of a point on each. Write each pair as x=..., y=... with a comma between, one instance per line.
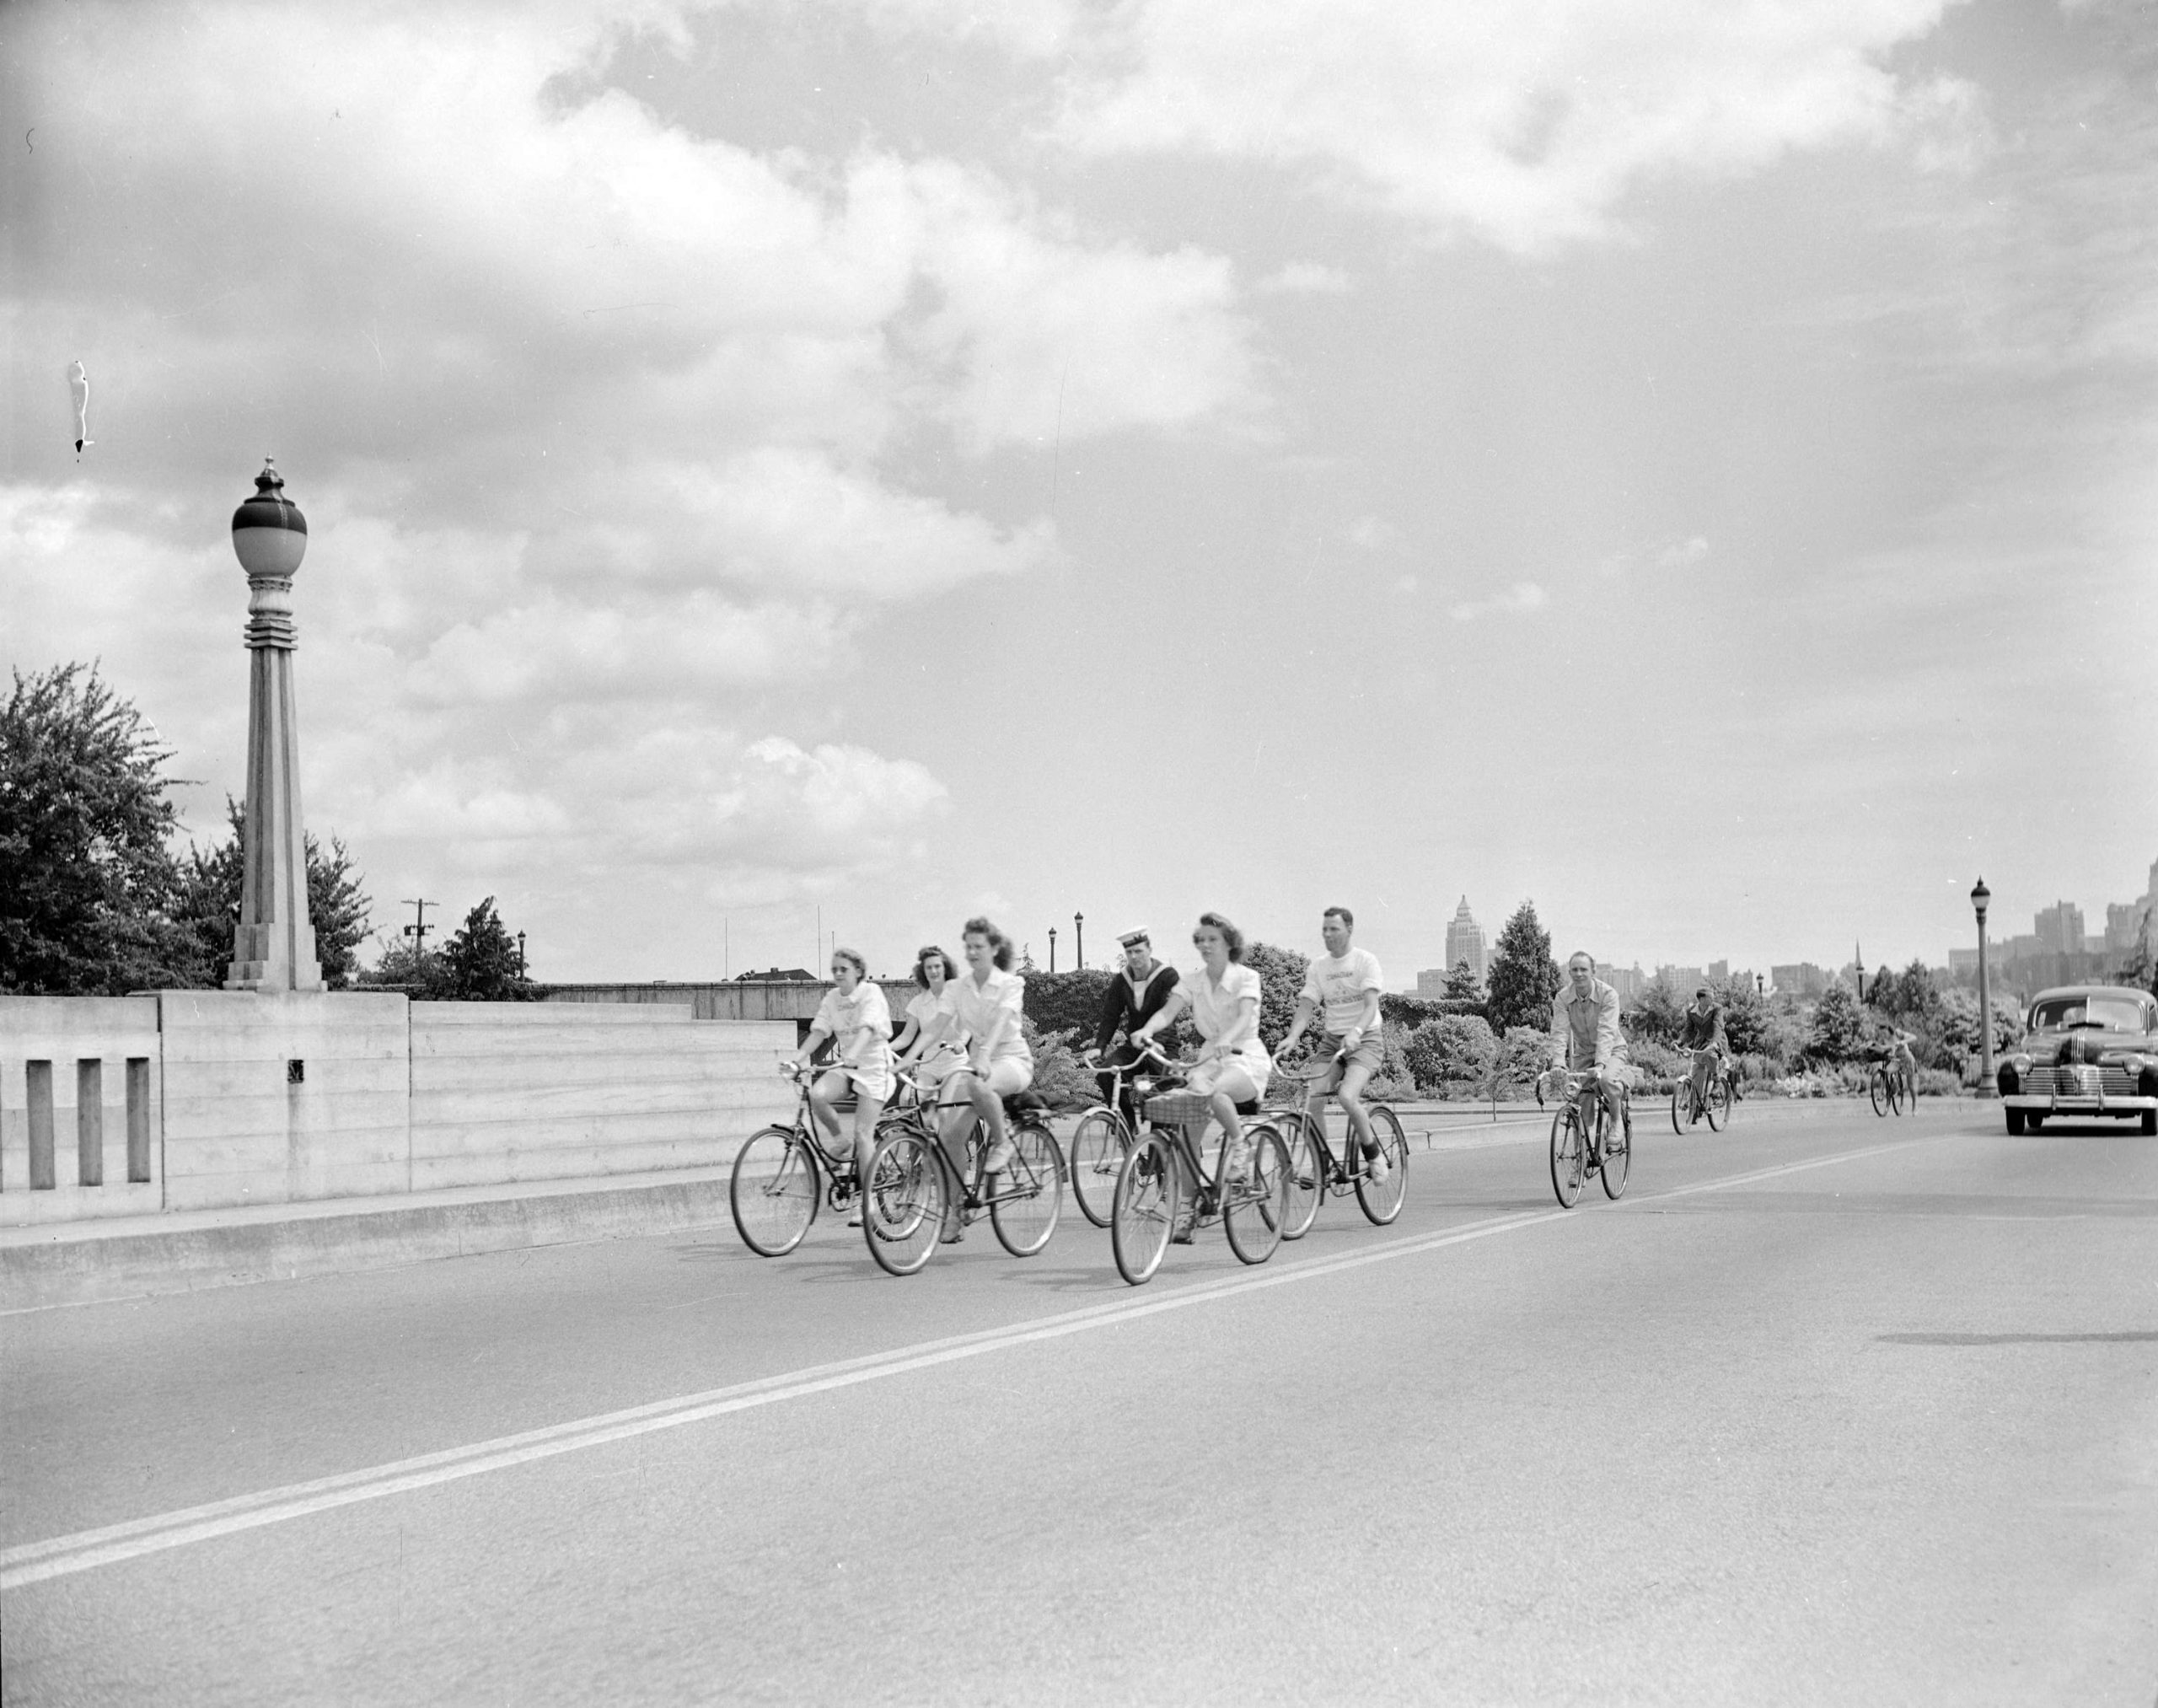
x=1336, y=984
x=860, y=1024
x=1217, y=1011
x=978, y=1008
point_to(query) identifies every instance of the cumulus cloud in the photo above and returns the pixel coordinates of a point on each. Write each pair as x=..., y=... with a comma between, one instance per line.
x=1519, y=599
x=599, y=421
x=1524, y=124
x=1305, y=279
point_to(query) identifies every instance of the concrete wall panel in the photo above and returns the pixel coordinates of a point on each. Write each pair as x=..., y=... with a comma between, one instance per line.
x=67, y=1031
x=243, y=1126
x=507, y=1093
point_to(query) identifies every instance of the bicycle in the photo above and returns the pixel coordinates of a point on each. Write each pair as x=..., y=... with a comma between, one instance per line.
x=1688, y=1104
x=774, y=1190
x=1891, y=1086
x=912, y=1185
x=1580, y=1148
x=1147, y=1212
x=1314, y=1170
x=1102, y=1139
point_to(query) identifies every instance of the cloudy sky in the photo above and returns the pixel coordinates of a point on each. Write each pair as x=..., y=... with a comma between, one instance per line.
x=1691, y=464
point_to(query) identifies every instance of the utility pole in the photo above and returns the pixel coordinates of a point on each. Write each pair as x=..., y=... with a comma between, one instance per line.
x=520, y=954
x=1078, y=940
x=418, y=930
x=1052, y=948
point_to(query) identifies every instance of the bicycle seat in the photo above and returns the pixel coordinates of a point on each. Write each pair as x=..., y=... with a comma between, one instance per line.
x=1249, y=1106
x=1026, y=1102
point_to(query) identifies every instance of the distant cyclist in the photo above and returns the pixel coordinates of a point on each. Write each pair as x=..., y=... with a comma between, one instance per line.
x=1701, y=1028
x=930, y=1057
x=1134, y=996
x=984, y=1005
x=1343, y=988
x=1586, y=1038
x=856, y=1016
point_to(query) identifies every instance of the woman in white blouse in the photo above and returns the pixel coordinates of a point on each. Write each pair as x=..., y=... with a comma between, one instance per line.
x=922, y=1039
x=856, y=1016
x=1233, y=1064
x=984, y=1005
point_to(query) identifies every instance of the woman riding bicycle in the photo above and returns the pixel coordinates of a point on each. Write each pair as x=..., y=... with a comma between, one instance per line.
x=984, y=1005
x=933, y=969
x=856, y=1016
x=1232, y=1066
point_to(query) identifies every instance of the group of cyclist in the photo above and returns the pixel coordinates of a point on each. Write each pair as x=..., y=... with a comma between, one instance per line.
x=963, y=1039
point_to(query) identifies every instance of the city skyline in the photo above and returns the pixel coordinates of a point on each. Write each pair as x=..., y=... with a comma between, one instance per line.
x=908, y=461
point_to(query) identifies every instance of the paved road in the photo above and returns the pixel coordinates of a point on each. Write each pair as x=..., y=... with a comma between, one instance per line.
x=1829, y=1409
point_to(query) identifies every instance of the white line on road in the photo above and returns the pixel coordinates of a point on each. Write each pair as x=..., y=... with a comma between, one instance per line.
x=60, y=1556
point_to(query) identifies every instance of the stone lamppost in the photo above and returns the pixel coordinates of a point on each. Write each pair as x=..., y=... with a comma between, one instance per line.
x=1980, y=896
x=274, y=948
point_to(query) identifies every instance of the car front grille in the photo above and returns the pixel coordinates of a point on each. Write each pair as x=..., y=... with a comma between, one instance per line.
x=2079, y=1080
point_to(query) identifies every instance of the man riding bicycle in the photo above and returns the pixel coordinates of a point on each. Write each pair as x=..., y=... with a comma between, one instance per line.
x=1701, y=1028
x=1134, y=996
x=1586, y=1038
x=1345, y=987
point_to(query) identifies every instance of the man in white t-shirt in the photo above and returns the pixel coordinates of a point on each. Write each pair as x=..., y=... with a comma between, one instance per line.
x=1343, y=989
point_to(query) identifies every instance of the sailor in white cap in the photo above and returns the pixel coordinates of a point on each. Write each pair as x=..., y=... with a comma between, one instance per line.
x=1134, y=997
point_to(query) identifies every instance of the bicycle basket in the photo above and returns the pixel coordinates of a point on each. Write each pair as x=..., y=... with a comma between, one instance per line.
x=1178, y=1107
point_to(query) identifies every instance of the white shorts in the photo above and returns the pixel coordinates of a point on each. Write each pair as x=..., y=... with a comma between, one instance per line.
x=1006, y=1075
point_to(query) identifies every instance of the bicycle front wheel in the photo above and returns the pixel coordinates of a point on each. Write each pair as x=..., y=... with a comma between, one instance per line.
x=1306, y=1178
x=1618, y=1157
x=773, y=1190
x=1255, y=1210
x=1145, y=1210
x=1569, y=1156
x=1719, y=1109
x=1877, y=1086
x=1900, y=1092
x=1382, y=1199
x=1682, y=1104
x=1098, y=1145
x=1030, y=1192
x=902, y=1202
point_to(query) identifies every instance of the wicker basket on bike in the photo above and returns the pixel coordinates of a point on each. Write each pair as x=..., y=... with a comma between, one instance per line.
x=1183, y=1108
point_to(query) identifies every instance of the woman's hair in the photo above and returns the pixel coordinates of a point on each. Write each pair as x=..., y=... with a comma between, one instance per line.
x=1001, y=944
x=1230, y=934
x=923, y=957
x=860, y=966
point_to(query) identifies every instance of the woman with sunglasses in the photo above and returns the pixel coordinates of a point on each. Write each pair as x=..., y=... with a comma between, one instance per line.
x=855, y=1015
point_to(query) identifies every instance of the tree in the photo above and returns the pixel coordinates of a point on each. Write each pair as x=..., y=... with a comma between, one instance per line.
x=1840, y=1026
x=1524, y=980
x=1959, y=1023
x=2140, y=968
x=86, y=874
x=207, y=903
x=481, y=963
x=1658, y=1012
x=1748, y=1020
x=1461, y=983
x=1281, y=974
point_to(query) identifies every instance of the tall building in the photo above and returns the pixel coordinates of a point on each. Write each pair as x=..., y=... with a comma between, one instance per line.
x=2124, y=923
x=1803, y=979
x=1465, y=942
x=2059, y=929
x=1628, y=981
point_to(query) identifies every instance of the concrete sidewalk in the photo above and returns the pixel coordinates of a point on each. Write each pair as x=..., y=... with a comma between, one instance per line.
x=136, y=1256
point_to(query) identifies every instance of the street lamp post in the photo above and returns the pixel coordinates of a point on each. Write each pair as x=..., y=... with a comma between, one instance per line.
x=1980, y=896
x=273, y=947
x=1052, y=948
x=1078, y=940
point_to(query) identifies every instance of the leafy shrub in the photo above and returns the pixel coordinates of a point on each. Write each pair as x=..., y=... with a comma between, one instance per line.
x=1069, y=1003
x=1452, y=1052
x=1064, y=1082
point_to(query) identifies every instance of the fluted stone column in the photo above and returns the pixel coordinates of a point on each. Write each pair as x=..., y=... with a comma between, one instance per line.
x=274, y=948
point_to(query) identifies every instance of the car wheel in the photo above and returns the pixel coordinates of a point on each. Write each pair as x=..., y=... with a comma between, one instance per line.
x=2014, y=1123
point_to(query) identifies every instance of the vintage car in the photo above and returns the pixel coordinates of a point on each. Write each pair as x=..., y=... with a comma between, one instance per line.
x=2091, y=1053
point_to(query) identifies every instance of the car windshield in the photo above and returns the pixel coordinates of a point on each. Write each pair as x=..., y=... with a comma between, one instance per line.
x=2110, y=1014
